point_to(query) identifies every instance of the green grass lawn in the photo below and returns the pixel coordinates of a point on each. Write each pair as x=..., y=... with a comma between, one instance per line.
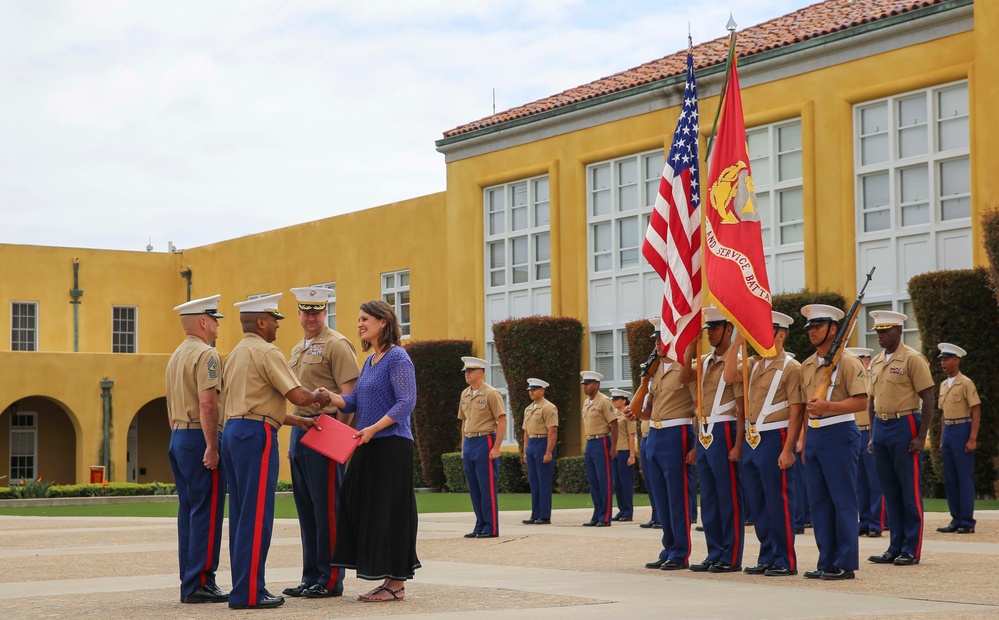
x=427, y=503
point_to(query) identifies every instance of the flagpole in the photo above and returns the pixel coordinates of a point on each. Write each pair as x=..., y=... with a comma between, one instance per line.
x=731, y=25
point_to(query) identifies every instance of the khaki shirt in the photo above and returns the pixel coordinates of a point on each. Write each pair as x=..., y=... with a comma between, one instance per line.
x=193, y=368
x=711, y=380
x=539, y=417
x=789, y=388
x=481, y=412
x=864, y=417
x=670, y=398
x=851, y=379
x=328, y=361
x=895, y=384
x=256, y=379
x=598, y=413
x=626, y=429
x=957, y=399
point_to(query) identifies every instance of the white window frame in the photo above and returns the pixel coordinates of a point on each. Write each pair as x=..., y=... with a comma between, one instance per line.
x=771, y=185
x=115, y=332
x=15, y=431
x=16, y=344
x=894, y=295
x=396, y=290
x=330, y=304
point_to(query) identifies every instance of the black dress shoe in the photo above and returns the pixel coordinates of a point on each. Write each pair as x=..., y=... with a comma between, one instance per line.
x=905, y=559
x=626, y=519
x=838, y=573
x=950, y=528
x=699, y=528
x=724, y=567
x=204, y=594
x=589, y=524
x=657, y=525
x=672, y=565
x=654, y=564
x=646, y=525
x=486, y=535
x=471, y=535
x=874, y=533
x=264, y=603
x=616, y=517
x=296, y=591
x=318, y=591
x=885, y=558
x=964, y=529
x=603, y=524
x=779, y=571
x=759, y=569
x=799, y=530
x=530, y=521
x=702, y=567
x=864, y=531
x=542, y=521
x=813, y=574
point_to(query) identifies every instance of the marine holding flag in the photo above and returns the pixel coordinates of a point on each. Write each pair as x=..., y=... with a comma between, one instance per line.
x=736, y=270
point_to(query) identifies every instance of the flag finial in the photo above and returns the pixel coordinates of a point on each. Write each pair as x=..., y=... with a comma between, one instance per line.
x=731, y=25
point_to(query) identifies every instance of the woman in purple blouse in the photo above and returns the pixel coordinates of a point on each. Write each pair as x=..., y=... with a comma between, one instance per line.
x=377, y=521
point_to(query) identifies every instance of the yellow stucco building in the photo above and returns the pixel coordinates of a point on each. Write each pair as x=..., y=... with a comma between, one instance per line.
x=868, y=124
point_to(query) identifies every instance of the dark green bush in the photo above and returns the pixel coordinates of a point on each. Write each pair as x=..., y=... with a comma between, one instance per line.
x=570, y=475
x=512, y=474
x=454, y=472
x=545, y=347
x=418, y=482
x=959, y=307
x=115, y=489
x=283, y=486
x=5, y=493
x=31, y=489
x=790, y=304
x=931, y=481
x=640, y=345
x=439, y=383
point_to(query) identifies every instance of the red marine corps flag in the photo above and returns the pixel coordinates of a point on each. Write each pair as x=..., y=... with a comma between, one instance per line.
x=673, y=240
x=733, y=261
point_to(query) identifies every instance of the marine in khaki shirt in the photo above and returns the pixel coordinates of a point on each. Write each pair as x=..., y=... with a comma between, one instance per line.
x=958, y=439
x=669, y=397
x=480, y=411
x=600, y=418
x=328, y=360
x=541, y=421
x=626, y=430
x=958, y=395
x=195, y=367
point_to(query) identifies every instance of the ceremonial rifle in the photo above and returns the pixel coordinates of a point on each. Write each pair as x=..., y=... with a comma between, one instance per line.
x=648, y=370
x=831, y=359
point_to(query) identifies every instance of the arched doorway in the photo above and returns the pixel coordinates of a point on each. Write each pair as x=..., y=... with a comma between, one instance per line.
x=148, y=442
x=37, y=440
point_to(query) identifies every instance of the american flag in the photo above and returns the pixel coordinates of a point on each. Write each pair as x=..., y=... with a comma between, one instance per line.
x=673, y=241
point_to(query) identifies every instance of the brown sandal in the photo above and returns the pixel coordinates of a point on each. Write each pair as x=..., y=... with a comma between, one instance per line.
x=369, y=597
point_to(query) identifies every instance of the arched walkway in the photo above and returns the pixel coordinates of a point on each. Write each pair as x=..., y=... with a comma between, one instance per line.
x=37, y=440
x=148, y=439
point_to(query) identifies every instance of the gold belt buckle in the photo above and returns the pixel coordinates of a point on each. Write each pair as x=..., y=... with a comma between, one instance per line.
x=814, y=423
x=752, y=437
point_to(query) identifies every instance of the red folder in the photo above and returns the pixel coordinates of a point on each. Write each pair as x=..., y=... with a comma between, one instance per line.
x=336, y=440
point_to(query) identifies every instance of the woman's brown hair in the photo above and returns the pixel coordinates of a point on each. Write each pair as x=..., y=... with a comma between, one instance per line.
x=391, y=333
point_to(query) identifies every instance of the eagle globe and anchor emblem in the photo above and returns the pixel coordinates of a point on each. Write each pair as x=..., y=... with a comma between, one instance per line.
x=733, y=195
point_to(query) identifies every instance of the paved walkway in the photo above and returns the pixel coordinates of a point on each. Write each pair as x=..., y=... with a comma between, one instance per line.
x=126, y=568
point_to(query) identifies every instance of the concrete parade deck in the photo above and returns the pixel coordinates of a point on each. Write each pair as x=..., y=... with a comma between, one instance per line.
x=81, y=568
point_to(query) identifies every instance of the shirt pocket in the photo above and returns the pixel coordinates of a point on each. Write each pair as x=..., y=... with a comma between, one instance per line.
x=897, y=379
x=312, y=359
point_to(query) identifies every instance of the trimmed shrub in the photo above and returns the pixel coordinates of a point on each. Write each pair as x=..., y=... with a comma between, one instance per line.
x=931, y=481
x=439, y=383
x=31, y=489
x=959, y=307
x=5, y=493
x=640, y=345
x=512, y=474
x=116, y=489
x=283, y=486
x=545, y=347
x=570, y=475
x=790, y=304
x=454, y=472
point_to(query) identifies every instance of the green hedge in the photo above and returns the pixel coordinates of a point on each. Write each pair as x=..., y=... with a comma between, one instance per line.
x=960, y=307
x=439, y=383
x=640, y=345
x=512, y=474
x=571, y=475
x=5, y=493
x=112, y=489
x=790, y=304
x=544, y=347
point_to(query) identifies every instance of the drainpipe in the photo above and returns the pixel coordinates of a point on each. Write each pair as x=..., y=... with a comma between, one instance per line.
x=76, y=294
x=106, y=385
x=186, y=274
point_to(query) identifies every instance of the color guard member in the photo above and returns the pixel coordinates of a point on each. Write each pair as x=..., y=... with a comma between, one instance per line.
x=624, y=464
x=670, y=411
x=600, y=428
x=483, y=424
x=832, y=446
x=256, y=381
x=959, y=430
x=540, y=435
x=718, y=466
x=323, y=358
x=870, y=501
x=901, y=403
x=192, y=394
x=772, y=426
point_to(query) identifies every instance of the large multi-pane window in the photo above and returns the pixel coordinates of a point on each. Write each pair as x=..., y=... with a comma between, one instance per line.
x=23, y=446
x=912, y=192
x=124, y=325
x=775, y=158
x=23, y=326
x=330, y=304
x=395, y=292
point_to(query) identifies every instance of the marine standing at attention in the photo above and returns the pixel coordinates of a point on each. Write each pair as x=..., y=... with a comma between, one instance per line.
x=193, y=382
x=627, y=452
x=870, y=501
x=600, y=427
x=540, y=436
x=959, y=430
x=483, y=425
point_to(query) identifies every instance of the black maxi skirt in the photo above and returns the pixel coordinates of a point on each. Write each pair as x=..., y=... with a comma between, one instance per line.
x=376, y=526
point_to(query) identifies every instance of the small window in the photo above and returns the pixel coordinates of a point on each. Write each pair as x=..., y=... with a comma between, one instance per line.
x=23, y=326
x=330, y=304
x=395, y=292
x=23, y=446
x=123, y=329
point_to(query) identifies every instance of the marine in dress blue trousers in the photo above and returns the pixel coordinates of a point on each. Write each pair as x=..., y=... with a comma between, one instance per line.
x=597, y=457
x=722, y=503
x=769, y=492
x=644, y=457
x=870, y=501
x=959, y=425
x=483, y=424
x=482, y=472
x=540, y=476
x=668, y=448
x=959, y=475
x=540, y=428
x=624, y=484
x=802, y=508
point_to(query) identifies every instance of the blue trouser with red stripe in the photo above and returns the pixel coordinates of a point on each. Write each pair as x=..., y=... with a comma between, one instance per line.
x=643, y=450
x=769, y=497
x=596, y=456
x=540, y=475
x=668, y=473
x=722, y=513
x=899, y=472
x=871, y=503
x=624, y=484
x=481, y=472
x=201, y=493
x=831, y=455
x=959, y=474
x=250, y=451
x=316, y=481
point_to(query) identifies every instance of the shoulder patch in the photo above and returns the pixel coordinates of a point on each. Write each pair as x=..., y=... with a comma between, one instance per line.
x=213, y=368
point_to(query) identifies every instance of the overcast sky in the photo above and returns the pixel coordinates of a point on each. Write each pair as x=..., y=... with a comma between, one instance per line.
x=195, y=122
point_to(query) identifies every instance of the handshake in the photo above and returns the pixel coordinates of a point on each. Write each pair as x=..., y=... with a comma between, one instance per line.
x=324, y=398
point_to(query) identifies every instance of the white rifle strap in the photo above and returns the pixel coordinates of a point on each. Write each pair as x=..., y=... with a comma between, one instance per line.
x=718, y=394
